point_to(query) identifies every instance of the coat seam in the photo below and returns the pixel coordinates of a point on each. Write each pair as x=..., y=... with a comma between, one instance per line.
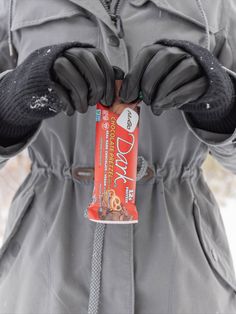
x=131, y=293
x=171, y=291
x=173, y=260
x=99, y=35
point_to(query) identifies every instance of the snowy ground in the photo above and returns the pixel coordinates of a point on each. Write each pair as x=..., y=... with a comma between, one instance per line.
x=222, y=183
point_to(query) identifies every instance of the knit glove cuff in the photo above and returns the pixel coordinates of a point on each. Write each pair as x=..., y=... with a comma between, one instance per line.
x=225, y=124
x=217, y=103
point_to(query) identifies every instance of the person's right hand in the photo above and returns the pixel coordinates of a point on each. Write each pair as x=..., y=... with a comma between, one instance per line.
x=65, y=77
x=83, y=77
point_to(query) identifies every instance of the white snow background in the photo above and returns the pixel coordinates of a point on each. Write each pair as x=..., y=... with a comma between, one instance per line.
x=221, y=182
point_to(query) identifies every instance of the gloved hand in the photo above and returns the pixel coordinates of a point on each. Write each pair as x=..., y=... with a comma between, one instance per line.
x=64, y=77
x=84, y=77
x=182, y=75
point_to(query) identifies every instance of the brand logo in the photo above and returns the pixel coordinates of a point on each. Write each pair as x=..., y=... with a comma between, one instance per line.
x=129, y=121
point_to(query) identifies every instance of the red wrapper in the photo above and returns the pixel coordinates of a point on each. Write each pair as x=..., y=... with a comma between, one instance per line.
x=116, y=155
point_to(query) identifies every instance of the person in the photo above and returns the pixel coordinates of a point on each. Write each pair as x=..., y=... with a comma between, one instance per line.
x=181, y=56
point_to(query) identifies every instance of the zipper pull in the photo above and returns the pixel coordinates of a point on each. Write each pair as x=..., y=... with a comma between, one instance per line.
x=119, y=26
x=116, y=19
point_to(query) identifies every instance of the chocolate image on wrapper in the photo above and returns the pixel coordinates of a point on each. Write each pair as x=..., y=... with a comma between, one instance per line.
x=116, y=155
x=112, y=209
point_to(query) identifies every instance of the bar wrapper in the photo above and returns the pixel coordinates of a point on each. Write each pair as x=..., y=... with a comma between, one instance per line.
x=116, y=155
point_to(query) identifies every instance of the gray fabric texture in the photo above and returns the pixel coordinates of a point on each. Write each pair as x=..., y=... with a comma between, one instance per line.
x=176, y=259
x=95, y=284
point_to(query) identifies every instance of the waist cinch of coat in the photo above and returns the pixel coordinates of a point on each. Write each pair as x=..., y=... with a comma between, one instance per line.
x=96, y=264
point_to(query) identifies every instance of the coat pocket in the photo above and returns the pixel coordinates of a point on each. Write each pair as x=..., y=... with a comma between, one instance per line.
x=19, y=208
x=215, y=247
x=32, y=13
x=43, y=23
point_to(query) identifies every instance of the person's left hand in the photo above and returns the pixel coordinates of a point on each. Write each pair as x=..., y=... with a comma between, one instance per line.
x=178, y=74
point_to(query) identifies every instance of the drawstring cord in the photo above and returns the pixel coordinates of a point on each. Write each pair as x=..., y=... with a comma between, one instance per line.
x=95, y=284
x=10, y=45
x=207, y=31
x=98, y=242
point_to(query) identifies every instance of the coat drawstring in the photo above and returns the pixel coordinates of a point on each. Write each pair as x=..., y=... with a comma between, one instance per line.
x=98, y=241
x=95, y=283
x=10, y=45
x=207, y=31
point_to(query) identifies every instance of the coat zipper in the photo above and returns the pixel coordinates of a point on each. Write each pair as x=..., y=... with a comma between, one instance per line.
x=114, y=16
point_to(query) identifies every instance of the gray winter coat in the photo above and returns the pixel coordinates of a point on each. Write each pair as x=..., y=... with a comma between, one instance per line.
x=176, y=259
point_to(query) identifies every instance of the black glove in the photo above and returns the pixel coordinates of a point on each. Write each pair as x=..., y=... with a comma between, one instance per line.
x=183, y=75
x=64, y=77
x=85, y=77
